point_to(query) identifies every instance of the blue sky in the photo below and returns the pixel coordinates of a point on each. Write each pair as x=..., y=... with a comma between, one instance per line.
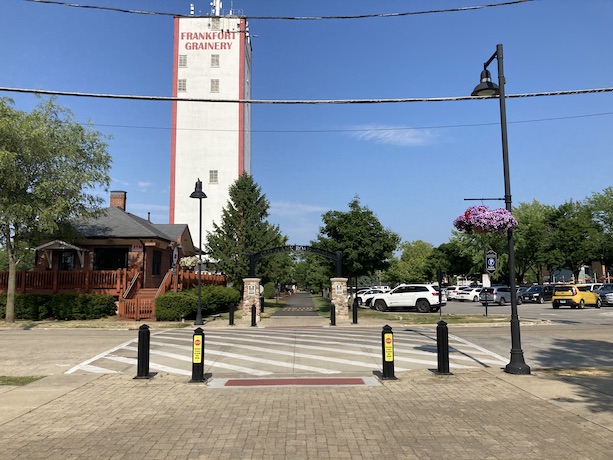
x=412, y=164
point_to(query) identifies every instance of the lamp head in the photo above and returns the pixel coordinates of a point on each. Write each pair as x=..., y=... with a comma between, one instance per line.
x=486, y=87
x=198, y=193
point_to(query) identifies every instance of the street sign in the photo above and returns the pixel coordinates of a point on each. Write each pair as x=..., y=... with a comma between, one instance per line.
x=491, y=260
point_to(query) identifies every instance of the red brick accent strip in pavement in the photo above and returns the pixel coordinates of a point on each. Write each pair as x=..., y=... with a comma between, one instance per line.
x=294, y=381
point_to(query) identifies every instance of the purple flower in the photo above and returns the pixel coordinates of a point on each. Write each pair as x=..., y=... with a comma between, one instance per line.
x=481, y=219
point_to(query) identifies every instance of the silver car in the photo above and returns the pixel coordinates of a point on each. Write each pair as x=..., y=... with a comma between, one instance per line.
x=496, y=294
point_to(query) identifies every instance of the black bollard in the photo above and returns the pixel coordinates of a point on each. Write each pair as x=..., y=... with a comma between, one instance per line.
x=144, y=344
x=387, y=345
x=253, y=317
x=332, y=315
x=355, y=310
x=231, y=308
x=198, y=356
x=262, y=304
x=442, y=347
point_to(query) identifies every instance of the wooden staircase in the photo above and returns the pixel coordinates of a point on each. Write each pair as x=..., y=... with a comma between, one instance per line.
x=140, y=305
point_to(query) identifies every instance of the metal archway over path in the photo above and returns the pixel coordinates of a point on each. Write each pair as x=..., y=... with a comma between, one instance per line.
x=336, y=257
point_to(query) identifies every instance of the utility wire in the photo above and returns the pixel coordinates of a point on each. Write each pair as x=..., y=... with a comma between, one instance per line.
x=302, y=101
x=361, y=130
x=290, y=18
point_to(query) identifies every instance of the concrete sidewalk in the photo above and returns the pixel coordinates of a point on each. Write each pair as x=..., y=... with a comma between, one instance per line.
x=468, y=415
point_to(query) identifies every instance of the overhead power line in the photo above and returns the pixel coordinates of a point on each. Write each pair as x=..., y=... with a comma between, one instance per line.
x=290, y=18
x=302, y=101
x=366, y=129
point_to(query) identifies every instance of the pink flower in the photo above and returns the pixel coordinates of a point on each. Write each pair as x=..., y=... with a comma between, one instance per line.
x=480, y=218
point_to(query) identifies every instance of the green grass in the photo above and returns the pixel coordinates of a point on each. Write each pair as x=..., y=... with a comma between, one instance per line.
x=433, y=318
x=322, y=306
x=17, y=381
x=270, y=306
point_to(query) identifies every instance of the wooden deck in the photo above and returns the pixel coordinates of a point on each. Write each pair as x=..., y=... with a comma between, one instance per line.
x=134, y=302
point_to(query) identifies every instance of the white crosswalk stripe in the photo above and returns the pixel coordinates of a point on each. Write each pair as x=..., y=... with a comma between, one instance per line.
x=296, y=351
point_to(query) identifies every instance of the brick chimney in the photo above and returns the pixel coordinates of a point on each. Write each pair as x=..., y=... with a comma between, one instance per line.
x=118, y=199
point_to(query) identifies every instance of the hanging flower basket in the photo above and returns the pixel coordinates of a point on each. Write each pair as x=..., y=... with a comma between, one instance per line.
x=480, y=219
x=188, y=262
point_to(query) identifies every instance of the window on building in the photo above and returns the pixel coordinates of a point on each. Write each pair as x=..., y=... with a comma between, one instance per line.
x=110, y=258
x=182, y=84
x=214, y=60
x=156, y=263
x=216, y=23
x=213, y=176
x=67, y=260
x=182, y=60
x=214, y=85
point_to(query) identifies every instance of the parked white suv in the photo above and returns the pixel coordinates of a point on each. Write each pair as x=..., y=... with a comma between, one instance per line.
x=423, y=297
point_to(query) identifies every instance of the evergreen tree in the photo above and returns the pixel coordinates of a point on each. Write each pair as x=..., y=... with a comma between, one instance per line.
x=244, y=231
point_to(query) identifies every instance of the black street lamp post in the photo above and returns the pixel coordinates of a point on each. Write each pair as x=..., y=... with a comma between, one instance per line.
x=517, y=364
x=199, y=194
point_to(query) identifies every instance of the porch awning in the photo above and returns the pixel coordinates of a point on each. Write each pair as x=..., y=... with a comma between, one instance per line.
x=58, y=245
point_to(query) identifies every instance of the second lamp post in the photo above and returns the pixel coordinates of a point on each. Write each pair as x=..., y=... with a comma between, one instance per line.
x=199, y=194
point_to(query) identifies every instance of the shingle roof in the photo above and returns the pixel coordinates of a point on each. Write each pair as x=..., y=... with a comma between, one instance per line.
x=174, y=231
x=115, y=223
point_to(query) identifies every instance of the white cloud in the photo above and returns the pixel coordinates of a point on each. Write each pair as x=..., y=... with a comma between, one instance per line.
x=394, y=135
x=288, y=208
x=123, y=183
x=144, y=186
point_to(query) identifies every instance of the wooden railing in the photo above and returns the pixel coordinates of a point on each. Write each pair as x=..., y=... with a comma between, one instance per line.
x=165, y=284
x=117, y=283
x=136, y=309
x=188, y=280
x=111, y=282
x=131, y=286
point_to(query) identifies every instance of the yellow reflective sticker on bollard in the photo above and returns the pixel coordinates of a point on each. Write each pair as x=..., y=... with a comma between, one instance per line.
x=197, y=358
x=388, y=347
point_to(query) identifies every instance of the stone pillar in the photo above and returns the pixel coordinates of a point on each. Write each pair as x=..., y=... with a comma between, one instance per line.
x=251, y=296
x=338, y=295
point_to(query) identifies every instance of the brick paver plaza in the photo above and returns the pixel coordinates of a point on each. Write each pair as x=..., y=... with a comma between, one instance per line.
x=469, y=415
x=477, y=413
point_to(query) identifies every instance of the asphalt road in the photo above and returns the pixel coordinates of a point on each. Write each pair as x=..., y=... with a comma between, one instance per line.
x=550, y=338
x=43, y=352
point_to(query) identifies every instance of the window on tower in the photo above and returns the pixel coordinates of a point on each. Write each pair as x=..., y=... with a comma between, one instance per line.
x=214, y=85
x=182, y=60
x=213, y=176
x=214, y=60
x=182, y=84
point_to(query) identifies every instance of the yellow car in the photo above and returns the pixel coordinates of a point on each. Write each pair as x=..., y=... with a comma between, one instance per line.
x=573, y=296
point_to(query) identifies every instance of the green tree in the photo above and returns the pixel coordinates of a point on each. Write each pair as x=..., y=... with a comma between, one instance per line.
x=465, y=254
x=601, y=205
x=49, y=167
x=26, y=259
x=574, y=238
x=413, y=265
x=314, y=272
x=244, y=230
x=366, y=245
x=530, y=250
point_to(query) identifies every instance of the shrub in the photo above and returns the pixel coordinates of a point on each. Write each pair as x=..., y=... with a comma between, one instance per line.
x=36, y=307
x=270, y=291
x=173, y=306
